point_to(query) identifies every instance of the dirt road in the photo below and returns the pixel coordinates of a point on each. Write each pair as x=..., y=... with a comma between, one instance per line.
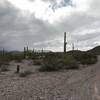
x=82, y=84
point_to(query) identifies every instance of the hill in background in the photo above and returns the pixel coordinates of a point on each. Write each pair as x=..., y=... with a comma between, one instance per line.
x=95, y=50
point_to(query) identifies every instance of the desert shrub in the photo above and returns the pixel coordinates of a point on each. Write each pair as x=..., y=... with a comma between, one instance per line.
x=55, y=62
x=4, y=60
x=66, y=59
x=50, y=66
x=4, y=68
x=9, y=56
x=69, y=62
x=25, y=73
x=86, y=58
x=35, y=56
x=17, y=57
x=51, y=63
x=37, y=62
x=73, y=64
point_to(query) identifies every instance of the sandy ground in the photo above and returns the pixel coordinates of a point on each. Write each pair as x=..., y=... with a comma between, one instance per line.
x=82, y=84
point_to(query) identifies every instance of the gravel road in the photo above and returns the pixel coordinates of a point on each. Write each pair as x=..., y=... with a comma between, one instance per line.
x=82, y=84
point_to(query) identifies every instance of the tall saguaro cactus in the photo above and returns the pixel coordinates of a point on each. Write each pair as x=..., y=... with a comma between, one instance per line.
x=72, y=46
x=24, y=52
x=65, y=43
x=27, y=49
x=3, y=52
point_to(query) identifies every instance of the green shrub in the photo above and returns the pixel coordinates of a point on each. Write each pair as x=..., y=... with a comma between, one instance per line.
x=17, y=57
x=69, y=62
x=50, y=66
x=25, y=73
x=37, y=62
x=86, y=58
x=55, y=62
x=4, y=61
x=51, y=63
x=73, y=64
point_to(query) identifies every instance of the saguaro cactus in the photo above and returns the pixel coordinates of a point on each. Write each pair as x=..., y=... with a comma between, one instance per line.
x=3, y=52
x=24, y=52
x=27, y=48
x=72, y=46
x=65, y=42
x=42, y=50
x=33, y=51
x=27, y=51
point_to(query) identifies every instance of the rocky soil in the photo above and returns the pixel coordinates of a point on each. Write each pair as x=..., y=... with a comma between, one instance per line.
x=82, y=84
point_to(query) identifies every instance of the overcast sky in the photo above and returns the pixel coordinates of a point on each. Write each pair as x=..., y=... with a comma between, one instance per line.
x=42, y=23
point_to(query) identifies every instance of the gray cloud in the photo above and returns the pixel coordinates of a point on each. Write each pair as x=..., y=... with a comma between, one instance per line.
x=17, y=30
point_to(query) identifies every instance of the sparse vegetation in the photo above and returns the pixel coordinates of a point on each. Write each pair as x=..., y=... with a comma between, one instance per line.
x=70, y=60
x=85, y=57
x=55, y=62
x=48, y=62
x=52, y=61
x=37, y=62
x=73, y=64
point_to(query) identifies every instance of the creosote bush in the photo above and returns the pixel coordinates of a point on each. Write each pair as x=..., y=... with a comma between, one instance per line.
x=50, y=63
x=37, y=62
x=85, y=57
x=73, y=64
x=70, y=60
x=55, y=62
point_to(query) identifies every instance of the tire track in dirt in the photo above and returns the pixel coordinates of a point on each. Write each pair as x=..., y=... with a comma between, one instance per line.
x=97, y=86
